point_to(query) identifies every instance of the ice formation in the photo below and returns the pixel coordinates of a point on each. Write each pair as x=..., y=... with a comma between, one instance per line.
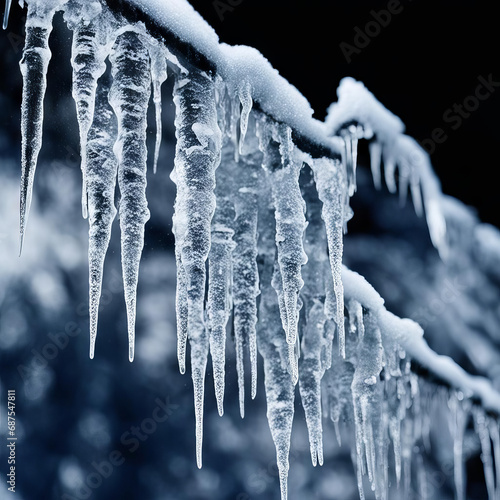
x=262, y=205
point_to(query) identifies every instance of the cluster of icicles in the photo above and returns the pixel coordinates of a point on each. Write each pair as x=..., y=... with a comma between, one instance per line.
x=260, y=221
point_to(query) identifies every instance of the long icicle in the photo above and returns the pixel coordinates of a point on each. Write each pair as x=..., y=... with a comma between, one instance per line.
x=87, y=59
x=278, y=383
x=245, y=271
x=481, y=424
x=284, y=171
x=366, y=394
x=314, y=351
x=34, y=64
x=331, y=184
x=460, y=414
x=198, y=152
x=101, y=179
x=219, y=259
x=129, y=97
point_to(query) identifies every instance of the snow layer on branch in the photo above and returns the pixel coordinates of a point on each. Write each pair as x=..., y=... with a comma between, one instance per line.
x=181, y=18
x=356, y=103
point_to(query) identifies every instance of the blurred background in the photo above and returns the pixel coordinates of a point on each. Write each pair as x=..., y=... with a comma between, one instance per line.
x=106, y=428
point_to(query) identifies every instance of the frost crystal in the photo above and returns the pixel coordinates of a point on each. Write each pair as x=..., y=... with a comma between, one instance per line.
x=262, y=206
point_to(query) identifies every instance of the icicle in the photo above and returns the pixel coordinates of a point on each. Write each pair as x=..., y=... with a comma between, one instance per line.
x=158, y=76
x=311, y=374
x=235, y=126
x=34, y=64
x=460, y=414
x=278, y=384
x=280, y=398
x=196, y=159
x=416, y=195
x=390, y=171
x=421, y=476
x=331, y=184
x=495, y=438
x=244, y=93
x=87, y=59
x=101, y=179
x=245, y=272
x=131, y=84
x=403, y=178
x=6, y=14
x=338, y=381
x=350, y=137
x=395, y=432
x=316, y=336
x=290, y=227
x=396, y=409
x=366, y=399
x=222, y=245
x=181, y=306
x=283, y=170
x=375, y=160
x=481, y=425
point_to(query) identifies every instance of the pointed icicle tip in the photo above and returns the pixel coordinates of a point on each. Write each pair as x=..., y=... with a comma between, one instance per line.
x=6, y=14
x=21, y=241
x=284, y=484
x=220, y=407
